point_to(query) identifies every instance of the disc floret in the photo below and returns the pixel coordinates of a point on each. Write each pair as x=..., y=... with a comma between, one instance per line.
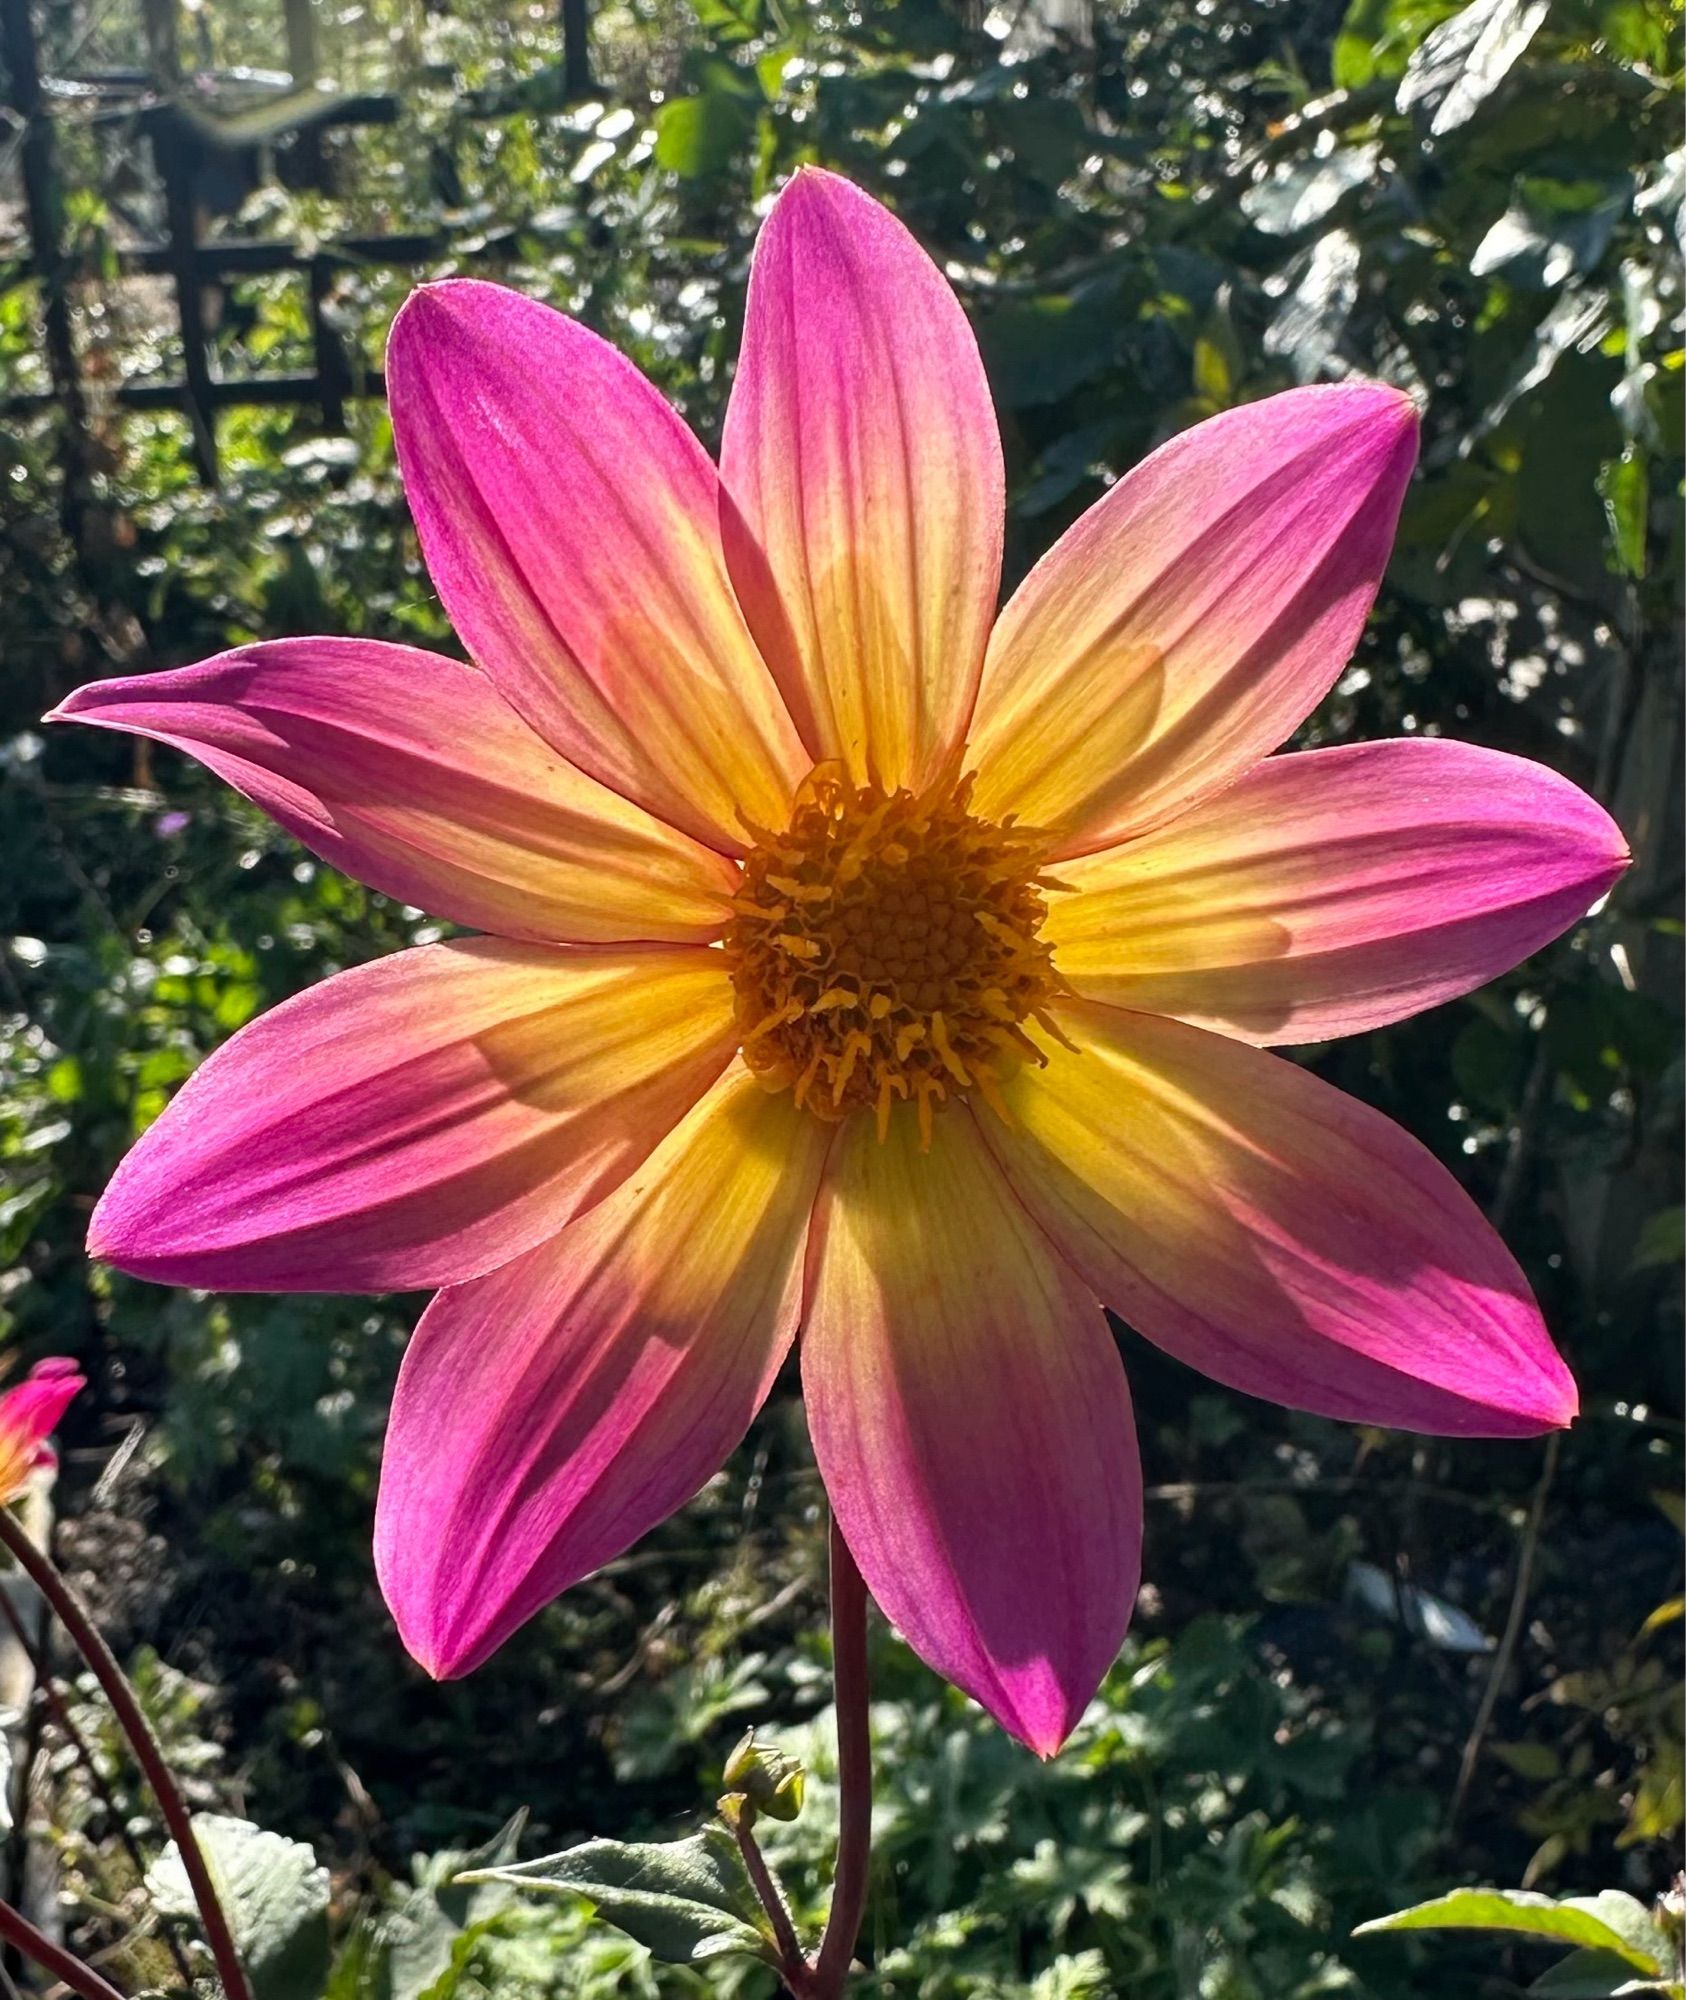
x=886, y=948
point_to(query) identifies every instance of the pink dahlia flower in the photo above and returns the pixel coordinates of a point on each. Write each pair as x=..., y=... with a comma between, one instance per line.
x=29, y=1414
x=858, y=962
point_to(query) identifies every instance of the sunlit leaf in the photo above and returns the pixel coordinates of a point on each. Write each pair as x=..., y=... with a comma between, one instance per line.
x=1465, y=59
x=684, y=1900
x=1295, y=194
x=1311, y=319
x=1610, y=1922
x=274, y=1893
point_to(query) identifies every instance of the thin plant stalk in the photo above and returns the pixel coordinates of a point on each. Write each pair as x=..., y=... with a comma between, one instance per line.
x=854, y=1773
x=102, y=1663
x=794, y=1969
x=69, y=1970
x=83, y=1752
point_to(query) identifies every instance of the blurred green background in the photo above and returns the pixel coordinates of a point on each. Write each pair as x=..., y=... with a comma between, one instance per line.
x=1153, y=209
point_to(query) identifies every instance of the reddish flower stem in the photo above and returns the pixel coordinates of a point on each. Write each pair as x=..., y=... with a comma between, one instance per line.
x=102, y=1663
x=854, y=1773
x=16, y=1929
x=85, y=1757
x=793, y=1963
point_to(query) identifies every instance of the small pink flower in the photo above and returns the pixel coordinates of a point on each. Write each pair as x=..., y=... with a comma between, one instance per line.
x=28, y=1416
x=859, y=962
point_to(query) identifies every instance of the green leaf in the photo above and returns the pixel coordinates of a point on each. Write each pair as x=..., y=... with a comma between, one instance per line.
x=698, y=137
x=1661, y=1242
x=1624, y=487
x=1352, y=61
x=1377, y=38
x=439, y=1922
x=1211, y=372
x=1596, y=1975
x=1577, y=318
x=729, y=20
x=274, y=1894
x=684, y=1900
x=1552, y=230
x=1309, y=324
x=1039, y=350
x=1295, y=194
x=1463, y=61
x=1539, y=1763
x=1609, y=1922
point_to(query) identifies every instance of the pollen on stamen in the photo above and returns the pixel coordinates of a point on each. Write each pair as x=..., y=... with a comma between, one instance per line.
x=885, y=948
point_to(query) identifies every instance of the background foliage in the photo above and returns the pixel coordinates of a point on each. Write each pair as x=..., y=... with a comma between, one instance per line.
x=1153, y=209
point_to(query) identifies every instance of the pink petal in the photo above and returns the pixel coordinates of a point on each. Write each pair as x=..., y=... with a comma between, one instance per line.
x=1333, y=891
x=1275, y=1233
x=1194, y=616
x=972, y=1424
x=548, y=1415
x=409, y=771
x=572, y=525
x=419, y=1120
x=862, y=446
x=30, y=1413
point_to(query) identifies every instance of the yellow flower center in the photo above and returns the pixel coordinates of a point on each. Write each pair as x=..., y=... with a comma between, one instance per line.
x=885, y=948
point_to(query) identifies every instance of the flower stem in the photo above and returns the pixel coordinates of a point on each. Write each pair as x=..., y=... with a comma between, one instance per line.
x=793, y=1963
x=854, y=1772
x=17, y=1930
x=102, y=1663
x=89, y=1763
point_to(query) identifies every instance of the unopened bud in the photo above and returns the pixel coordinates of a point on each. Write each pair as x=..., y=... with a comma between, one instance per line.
x=768, y=1779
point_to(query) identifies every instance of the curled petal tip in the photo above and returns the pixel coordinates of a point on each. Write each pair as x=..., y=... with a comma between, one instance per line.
x=82, y=704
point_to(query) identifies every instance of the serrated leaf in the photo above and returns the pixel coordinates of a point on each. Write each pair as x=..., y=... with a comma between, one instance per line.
x=274, y=1893
x=1609, y=1922
x=1459, y=64
x=683, y=1900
